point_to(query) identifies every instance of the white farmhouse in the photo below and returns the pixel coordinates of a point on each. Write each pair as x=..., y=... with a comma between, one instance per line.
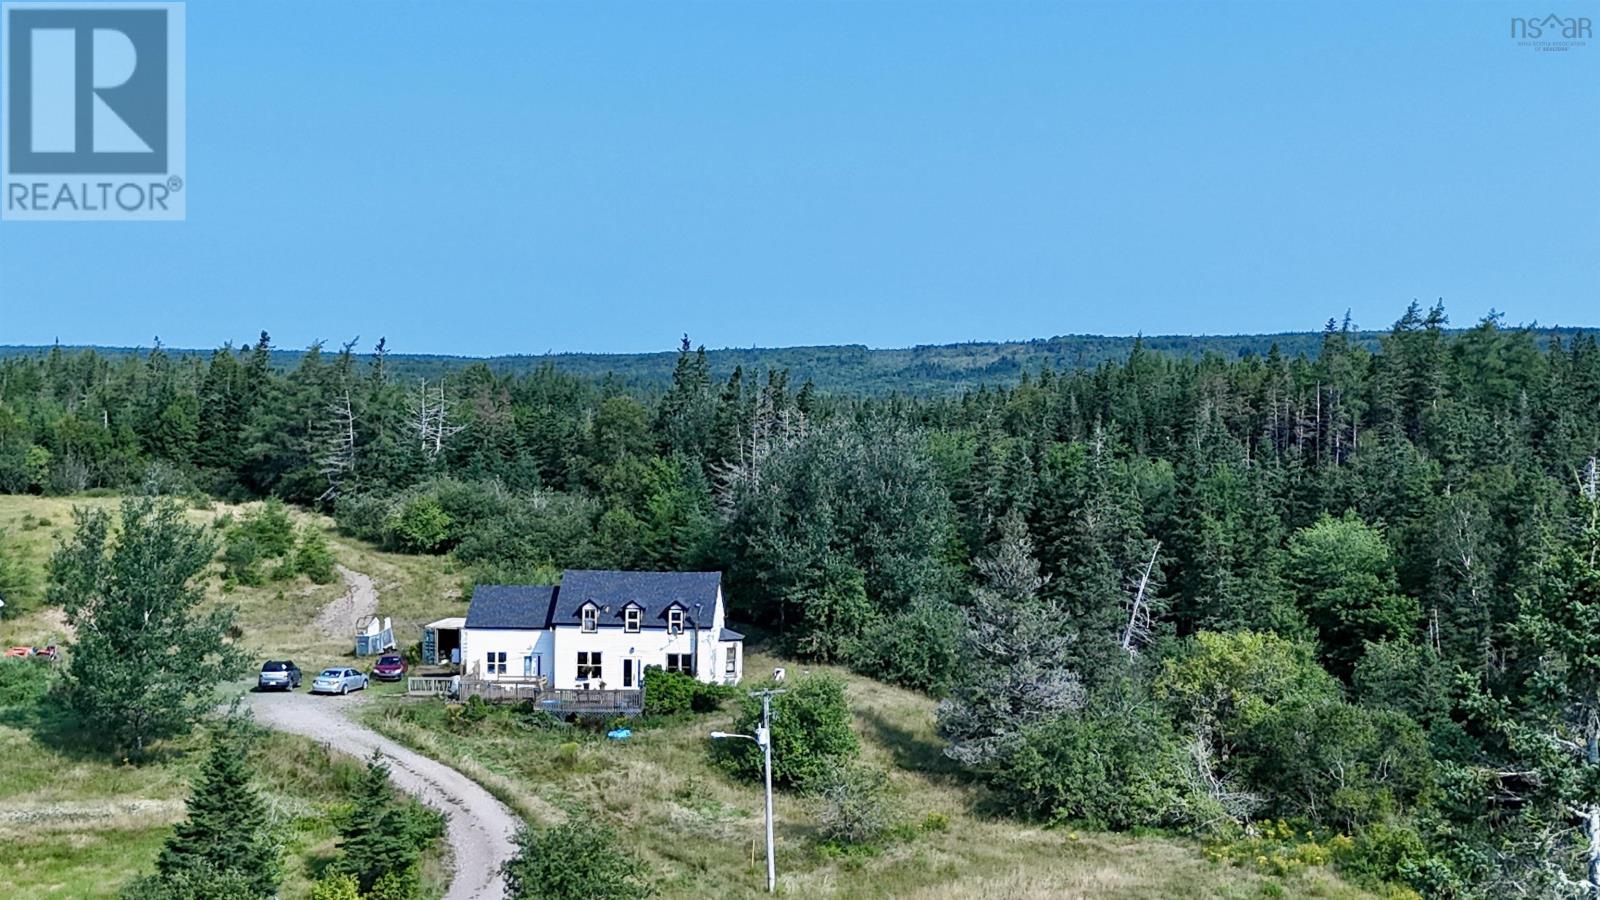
x=601, y=630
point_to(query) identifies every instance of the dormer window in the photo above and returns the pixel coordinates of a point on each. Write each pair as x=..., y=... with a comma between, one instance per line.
x=675, y=621
x=631, y=618
x=591, y=617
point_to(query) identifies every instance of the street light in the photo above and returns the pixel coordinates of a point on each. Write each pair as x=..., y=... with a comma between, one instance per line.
x=763, y=739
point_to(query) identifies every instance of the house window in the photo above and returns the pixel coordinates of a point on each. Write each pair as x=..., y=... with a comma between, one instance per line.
x=589, y=665
x=497, y=663
x=631, y=619
x=731, y=667
x=675, y=621
x=591, y=618
x=680, y=662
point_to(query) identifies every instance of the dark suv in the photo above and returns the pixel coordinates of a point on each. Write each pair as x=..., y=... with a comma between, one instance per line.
x=278, y=675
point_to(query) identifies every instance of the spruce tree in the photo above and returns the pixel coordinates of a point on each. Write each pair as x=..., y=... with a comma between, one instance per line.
x=1014, y=649
x=226, y=830
x=379, y=837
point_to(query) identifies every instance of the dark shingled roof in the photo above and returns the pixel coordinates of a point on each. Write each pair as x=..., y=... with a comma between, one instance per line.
x=533, y=607
x=728, y=634
x=511, y=606
x=654, y=592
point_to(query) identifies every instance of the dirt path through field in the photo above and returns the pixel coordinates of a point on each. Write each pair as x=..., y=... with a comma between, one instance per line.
x=481, y=828
x=340, y=618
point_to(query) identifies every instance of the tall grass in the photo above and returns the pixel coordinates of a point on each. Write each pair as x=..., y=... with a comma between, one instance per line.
x=700, y=832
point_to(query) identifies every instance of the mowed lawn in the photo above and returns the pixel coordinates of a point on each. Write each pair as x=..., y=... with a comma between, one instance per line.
x=701, y=832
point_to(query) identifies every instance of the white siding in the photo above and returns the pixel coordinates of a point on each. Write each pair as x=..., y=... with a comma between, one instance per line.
x=517, y=645
x=647, y=648
x=555, y=652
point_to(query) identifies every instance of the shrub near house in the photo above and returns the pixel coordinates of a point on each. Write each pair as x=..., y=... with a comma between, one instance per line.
x=810, y=734
x=675, y=694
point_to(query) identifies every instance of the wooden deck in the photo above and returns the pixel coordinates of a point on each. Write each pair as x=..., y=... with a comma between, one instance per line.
x=536, y=691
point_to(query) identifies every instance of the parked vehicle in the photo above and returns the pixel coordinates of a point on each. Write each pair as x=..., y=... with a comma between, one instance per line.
x=278, y=675
x=389, y=667
x=48, y=654
x=338, y=681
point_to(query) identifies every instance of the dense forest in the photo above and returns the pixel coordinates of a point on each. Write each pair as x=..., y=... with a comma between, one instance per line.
x=922, y=370
x=1353, y=587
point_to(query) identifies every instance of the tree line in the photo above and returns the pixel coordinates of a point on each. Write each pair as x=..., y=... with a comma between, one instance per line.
x=1355, y=588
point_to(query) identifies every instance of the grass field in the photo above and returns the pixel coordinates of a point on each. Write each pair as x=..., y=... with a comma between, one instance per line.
x=701, y=832
x=275, y=617
x=78, y=823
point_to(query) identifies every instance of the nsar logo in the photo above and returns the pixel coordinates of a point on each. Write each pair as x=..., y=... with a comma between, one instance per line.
x=1552, y=33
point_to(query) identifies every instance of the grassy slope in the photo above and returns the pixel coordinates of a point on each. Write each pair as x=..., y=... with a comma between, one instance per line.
x=275, y=617
x=701, y=831
x=695, y=827
x=75, y=823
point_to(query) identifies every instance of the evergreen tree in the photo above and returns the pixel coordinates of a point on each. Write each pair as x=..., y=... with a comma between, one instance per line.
x=380, y=838
x=1228, y=542
x=226, y=829
x=1014, y=676
x=687, y=414
x=1094, y=548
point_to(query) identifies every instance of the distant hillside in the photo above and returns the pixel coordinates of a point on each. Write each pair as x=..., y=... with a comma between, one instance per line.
x=851, y=368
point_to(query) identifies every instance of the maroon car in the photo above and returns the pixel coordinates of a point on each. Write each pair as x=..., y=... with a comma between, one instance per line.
x=389, y=667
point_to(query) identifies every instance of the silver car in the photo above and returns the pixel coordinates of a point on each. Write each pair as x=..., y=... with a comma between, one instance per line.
x=338, y=681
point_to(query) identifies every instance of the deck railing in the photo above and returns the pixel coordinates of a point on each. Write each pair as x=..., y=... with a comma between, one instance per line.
x=609, y=702
x=429, y=685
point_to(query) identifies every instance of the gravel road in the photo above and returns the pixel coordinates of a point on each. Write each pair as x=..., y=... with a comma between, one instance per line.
x=481, y=828
x=340, y=618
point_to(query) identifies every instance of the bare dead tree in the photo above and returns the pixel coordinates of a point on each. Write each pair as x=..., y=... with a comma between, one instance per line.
x=421, y=422
x=1235, y=804
x=772, y=429
x=1589, y=489
x=339, y=458
x=1137, y=632
x=431, y=421
x=1460, y=541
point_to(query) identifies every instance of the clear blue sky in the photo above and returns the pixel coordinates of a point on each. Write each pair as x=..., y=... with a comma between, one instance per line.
x=496, y=177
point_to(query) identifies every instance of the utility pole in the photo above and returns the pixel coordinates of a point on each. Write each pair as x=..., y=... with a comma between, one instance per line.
x=763, y=739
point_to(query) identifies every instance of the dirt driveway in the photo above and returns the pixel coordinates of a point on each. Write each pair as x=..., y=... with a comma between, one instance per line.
x=481, y=828
x=340, y=618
